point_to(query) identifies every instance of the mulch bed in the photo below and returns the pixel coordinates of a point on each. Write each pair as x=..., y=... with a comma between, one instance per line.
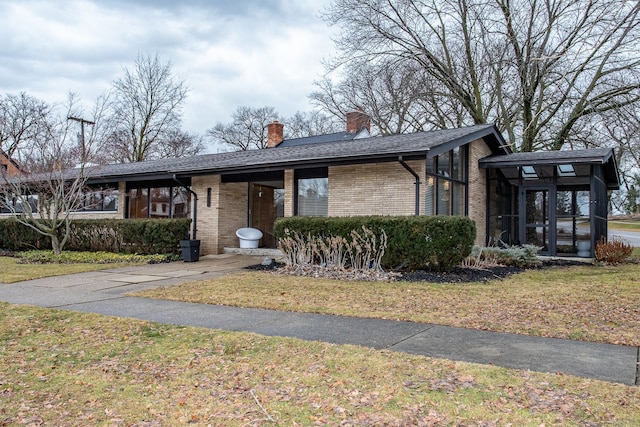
x=455, y=275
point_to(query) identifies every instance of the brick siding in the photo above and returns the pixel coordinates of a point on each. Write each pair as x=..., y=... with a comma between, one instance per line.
x=374, y=189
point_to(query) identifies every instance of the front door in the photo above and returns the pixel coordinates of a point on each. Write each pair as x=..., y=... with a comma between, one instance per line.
x=537, y=218
x=266, y=204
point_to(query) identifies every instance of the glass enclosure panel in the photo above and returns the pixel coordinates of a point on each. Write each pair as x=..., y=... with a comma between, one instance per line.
x=313, y=197
x=457, y=198
x=538, y=236
x=431, y=169
x=444, y=197
x=537, y=202
x=583, y=224
x=565, y=223
x=537, y=226
x=429, y=197
x=444, y=167
x=456, y=163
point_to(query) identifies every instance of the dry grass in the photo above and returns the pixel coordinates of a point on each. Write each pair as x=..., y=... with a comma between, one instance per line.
x=589, y=303
x=11, y=271
x=63, y=368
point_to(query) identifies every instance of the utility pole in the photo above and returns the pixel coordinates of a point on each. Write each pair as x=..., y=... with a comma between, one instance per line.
x=82, y=122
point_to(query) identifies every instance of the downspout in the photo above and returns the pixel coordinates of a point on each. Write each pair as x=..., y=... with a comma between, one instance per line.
x=195, y=205
x=417, y=177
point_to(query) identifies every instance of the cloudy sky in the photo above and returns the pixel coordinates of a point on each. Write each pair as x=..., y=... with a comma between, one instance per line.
x=229, y=52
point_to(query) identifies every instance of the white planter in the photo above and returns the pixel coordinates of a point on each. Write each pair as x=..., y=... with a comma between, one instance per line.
x=249, y=237
x=584, y=248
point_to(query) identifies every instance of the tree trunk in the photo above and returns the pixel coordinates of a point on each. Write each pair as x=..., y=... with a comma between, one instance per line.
x=55, y=244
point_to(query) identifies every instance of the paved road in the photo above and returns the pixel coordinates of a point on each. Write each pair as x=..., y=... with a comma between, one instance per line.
x=103, y=292
x=632, y=237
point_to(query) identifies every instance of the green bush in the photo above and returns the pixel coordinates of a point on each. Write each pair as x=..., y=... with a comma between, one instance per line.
x=74, y=257
x=519, y=256
x=416, y=242
x=142, y=236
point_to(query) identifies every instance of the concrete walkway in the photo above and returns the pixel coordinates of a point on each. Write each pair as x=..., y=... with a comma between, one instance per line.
x=103, y=292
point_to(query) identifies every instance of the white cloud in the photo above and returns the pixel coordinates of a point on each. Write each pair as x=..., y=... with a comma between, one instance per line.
x=229, y=53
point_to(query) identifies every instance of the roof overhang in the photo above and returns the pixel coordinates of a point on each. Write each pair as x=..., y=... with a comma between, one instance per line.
x=570, y=167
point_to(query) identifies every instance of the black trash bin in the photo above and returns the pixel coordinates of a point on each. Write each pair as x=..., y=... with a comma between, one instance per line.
x=190, y=250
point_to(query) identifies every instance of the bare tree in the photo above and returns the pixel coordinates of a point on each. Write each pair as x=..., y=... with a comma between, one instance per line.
x=538, y=69
x=397, y=95
x=22, y=121
x=147, y=108
x=303, y=124
x=247, y=130
x=178, y=143
x=44, y=197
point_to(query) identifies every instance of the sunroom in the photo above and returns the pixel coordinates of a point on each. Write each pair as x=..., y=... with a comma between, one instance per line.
x=557, y=200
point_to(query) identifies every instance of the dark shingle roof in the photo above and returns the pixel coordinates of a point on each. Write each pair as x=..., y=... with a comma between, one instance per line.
x=592, y=155
x=601, y=156
x=382, y=148
x=330, y=137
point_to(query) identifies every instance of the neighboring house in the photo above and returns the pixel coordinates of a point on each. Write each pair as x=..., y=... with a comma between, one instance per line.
x=552, y=199
x=8, y=166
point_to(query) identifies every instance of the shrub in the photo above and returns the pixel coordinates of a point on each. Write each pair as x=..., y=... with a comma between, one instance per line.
x=416, y=242
x=71, y=257
x=614, y=251
x=142, y=236
x=362, y=252
x=518, y=256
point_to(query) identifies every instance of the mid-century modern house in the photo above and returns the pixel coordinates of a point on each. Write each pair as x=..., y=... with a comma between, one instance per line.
x=551, y=199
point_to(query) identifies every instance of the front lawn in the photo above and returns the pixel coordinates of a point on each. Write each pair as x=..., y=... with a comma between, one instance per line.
x=589, y=303
x=38, y=264
x=63, y=369
x=11, y=271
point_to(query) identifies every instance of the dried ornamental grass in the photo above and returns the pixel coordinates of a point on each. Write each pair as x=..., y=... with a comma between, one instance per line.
x=359, y=258
x=614, y=251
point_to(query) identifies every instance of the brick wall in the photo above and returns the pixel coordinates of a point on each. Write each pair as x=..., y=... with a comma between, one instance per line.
x=374, y=189
x=8, y=166
x=289, y=187
x=478, y=189
x=217, y=224
x=233, y=212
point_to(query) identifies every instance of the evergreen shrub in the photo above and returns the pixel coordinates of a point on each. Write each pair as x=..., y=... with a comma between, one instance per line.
x=141, y=236
x=414, y=242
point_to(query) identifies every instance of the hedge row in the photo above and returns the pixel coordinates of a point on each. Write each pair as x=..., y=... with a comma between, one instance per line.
x=142, y=236
x=416, y=242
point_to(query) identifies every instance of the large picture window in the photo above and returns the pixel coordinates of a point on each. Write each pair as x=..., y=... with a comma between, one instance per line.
x=446, y=184
x=158, y=202
x=312, y=192
x=100, y=200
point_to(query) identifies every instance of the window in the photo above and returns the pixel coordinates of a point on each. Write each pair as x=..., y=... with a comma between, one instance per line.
x=566, y=170
x=446, y=184
x=99, y=200
x=312, y=195
x=529, y=172
x=158, y=202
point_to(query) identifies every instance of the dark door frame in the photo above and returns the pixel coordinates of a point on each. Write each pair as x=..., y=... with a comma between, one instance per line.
x=550, y=212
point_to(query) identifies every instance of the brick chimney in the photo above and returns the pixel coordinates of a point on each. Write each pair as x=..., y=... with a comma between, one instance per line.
x=275, y=134
x=358, y=120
